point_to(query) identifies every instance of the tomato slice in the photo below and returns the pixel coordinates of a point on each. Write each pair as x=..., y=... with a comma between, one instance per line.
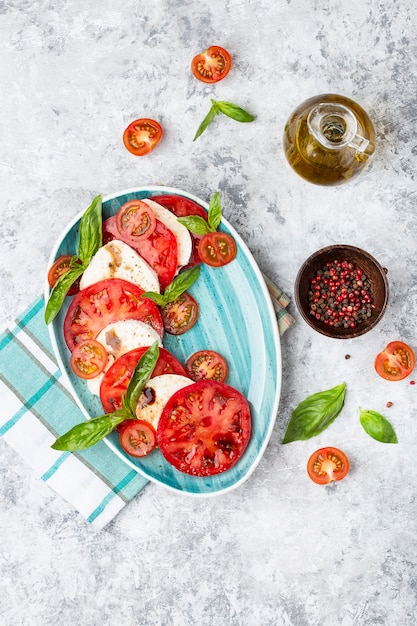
x=160, y=250
x=204, y=428
x=212, y=65
x=60, y=267
x=88, y=359
x=327, y=465
x=396, y=362
x=180, y=315
x=142, y=136
x=217, y=249
x=138, y=438
x=104, y=302
x=117, y=378
x=207, y=364
x=135, y=221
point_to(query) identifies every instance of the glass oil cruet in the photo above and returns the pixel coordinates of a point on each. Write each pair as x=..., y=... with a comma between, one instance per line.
x=329, y=139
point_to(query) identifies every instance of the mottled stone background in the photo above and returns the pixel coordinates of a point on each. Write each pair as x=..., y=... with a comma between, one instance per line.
x=279, y=551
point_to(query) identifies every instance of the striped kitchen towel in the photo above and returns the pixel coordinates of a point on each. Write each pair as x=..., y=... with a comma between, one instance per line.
x=37, y=407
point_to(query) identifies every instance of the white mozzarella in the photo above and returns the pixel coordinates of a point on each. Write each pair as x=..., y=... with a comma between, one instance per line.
x=118, y=260
x=182, y=234
x=119, y=338
x=159, y=389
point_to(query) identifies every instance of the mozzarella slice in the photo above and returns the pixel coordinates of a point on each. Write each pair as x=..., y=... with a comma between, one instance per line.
x=119, y=338
x=118, y=260
x=156, y=394
x=182, y=234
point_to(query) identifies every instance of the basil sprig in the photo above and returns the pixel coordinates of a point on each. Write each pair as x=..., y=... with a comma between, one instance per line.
x=315, y=414
x=181, y=283
x=89, y=433
x=198, y=225
x=90, y=240
x=377, y=426
x=227, y=108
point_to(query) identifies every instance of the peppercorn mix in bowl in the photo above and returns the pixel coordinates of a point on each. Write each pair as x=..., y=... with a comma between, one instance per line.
x=341, y=291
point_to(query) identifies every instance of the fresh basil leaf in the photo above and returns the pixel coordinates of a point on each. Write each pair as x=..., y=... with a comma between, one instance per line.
x=90, y=231
x=195, y=224
x=215, y=212
x=315, y=414
x=235, y=112
x=377, y=426
x=206, y=122
x=181, y=283
x=60, y=290
x=89, y=433
x=158, y=298
x=140, y=377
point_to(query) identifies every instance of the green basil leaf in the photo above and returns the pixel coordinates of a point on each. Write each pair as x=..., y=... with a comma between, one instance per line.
x=235, y=112
x=315, y=414
x=206, y=122
x=140, y=377
x=181, y=283
x=195, y=224
x=158, y=298
x=377, y=426
x=90, y=231
x=60, y=290
x=89, y=433
x=215, y=212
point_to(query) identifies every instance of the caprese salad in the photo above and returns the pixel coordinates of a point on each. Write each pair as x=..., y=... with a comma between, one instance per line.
x=128, y=282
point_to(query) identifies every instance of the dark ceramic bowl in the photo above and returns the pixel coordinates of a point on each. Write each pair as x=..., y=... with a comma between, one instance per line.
x=378, y=288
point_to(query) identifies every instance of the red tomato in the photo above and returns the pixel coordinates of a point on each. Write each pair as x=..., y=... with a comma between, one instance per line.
x=212, y=65
x=396, y=362
x=117, y=378
x=217, y=249
x=135, y=221
x=160, y=250
x=138, y=438
x=103, y=303
x=207, y=364
x=204, y=428
x=60, y=267
x=327, y=465
x=142, y=136
x=180, y=315
x=88, y=359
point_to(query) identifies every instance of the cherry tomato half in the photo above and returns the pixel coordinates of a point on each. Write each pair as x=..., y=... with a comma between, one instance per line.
x=138, y=438
x=212, y=65
x=60, y=267
x=135, y=221
x=327, y=465
x=217, y=249
x=142, y=136
x=207, y=365
x=88, y=359
x=396, y=362
x=180, y=315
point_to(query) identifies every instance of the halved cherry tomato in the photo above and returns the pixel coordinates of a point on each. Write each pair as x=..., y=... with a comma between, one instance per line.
x=60, y=267
x=396, y=362
x=88, y=359
x=204, y=428
x=217, y=249
x=117, y=378
x=160, y=250
x=135, y=221
x=142, y=136
x=212, y=65
x=103, y=303
x=327, y=465
x=138, y=438
x=180, y=315
x=207, y=364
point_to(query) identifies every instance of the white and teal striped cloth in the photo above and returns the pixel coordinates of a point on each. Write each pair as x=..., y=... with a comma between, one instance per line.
x=37, y=408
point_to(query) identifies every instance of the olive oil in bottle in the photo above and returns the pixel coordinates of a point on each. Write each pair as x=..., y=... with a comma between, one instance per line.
x=329, y=139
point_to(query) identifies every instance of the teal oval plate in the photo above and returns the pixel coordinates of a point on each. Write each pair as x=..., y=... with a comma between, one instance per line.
x=236, y=319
